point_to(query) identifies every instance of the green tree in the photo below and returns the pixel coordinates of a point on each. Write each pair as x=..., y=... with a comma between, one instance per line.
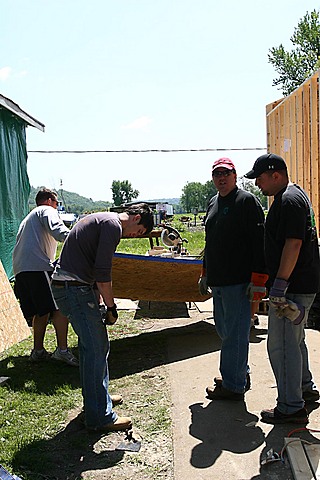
x=248, y=185
x=195, y=195
x=209, y=190
x=303, y=60
x=122, y=192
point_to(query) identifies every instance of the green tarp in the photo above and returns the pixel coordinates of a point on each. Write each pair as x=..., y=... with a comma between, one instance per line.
x=14, y=183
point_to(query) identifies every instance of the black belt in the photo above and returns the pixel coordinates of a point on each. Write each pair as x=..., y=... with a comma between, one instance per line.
x=72, y=283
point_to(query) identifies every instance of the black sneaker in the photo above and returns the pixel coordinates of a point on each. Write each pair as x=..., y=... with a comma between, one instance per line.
x=218, y=381
x=310, y=396
x=274, y=416
x=221, y=393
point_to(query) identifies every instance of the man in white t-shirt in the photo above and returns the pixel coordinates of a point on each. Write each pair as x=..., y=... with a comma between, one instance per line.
x=33, y=257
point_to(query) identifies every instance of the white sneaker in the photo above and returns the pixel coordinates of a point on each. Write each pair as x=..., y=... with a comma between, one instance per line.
x=39, y=355
x=66, y=357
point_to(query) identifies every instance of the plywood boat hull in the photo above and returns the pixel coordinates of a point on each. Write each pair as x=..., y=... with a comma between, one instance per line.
x=155, y=278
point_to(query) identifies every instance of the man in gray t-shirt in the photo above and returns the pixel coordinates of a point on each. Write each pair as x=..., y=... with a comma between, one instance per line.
x=84, y=265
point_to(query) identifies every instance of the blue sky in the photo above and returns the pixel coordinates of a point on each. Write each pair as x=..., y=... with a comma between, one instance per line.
x=142, y=74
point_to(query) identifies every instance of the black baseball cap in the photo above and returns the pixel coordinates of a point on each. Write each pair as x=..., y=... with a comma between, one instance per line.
x=269, y=162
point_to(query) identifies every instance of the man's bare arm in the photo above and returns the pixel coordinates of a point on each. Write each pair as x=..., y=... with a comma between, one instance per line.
x=289, y=257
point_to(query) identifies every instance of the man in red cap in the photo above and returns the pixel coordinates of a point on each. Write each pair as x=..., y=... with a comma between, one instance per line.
x=233, y=268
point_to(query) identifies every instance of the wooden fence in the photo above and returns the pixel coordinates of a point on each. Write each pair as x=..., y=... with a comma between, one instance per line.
x=293, y=133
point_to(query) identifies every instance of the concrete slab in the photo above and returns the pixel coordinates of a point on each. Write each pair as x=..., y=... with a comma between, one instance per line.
x=205, y=306
x=226, y=440
x=126, y=304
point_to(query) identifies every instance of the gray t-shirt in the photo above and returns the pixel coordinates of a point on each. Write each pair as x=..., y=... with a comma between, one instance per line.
x=37, y=238
x=88, y=251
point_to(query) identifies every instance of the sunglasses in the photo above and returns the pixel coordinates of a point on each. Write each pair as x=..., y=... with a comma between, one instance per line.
x=222, y=173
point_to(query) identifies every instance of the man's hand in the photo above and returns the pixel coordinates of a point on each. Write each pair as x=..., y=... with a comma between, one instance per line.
x=203, y=286
x=277, y=294
x=294, y=312
x=109, y=315
x=256, y=290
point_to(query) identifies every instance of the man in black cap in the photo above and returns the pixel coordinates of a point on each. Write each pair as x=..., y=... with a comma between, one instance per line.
x=292, y=258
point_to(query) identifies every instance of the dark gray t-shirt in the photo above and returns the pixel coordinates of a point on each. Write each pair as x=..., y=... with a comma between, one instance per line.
x=291, y=216
x=90, y=246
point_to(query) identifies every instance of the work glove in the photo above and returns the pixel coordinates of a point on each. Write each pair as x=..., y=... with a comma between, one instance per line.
x=285, y=308
x=256, y=290
x=294, y=312
x=202, y=283
x=277, y=294
x=109, y=315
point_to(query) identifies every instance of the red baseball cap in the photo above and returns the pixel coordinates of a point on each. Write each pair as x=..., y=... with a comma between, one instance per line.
x=224, y=163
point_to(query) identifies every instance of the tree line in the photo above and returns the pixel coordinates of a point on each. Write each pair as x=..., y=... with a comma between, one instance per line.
x=195, y=197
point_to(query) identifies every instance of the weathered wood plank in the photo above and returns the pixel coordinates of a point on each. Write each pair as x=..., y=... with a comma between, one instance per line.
x=293, y=131
x=313, y=453
x=13, y=326
x=298, y=459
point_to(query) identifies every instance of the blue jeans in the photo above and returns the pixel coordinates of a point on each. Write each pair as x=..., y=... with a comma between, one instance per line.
x=232, y=318
x=288, y=356
x=80, y=305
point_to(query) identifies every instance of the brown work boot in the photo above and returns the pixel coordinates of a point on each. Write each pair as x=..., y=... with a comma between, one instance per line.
x=116, y=400
x=220, y=393
x=274, y=416
x=218, y=381
x=310, y=396
x=122, y=423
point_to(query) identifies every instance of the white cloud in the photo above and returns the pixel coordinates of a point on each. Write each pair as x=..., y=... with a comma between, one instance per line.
x=5, y=73
x=139, y=123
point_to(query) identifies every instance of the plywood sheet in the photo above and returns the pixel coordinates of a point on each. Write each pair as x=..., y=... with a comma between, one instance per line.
x=295, y=135
x=13, y=326
x=141, y=277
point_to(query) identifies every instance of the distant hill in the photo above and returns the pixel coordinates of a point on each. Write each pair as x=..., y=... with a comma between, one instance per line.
x=172, y=201
x=73, y=202
x=77, y=204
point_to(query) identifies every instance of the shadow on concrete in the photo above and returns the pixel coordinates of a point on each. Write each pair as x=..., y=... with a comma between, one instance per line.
x=162, y=310
x=149, y=349
x=218, y=431
x=258, y=334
